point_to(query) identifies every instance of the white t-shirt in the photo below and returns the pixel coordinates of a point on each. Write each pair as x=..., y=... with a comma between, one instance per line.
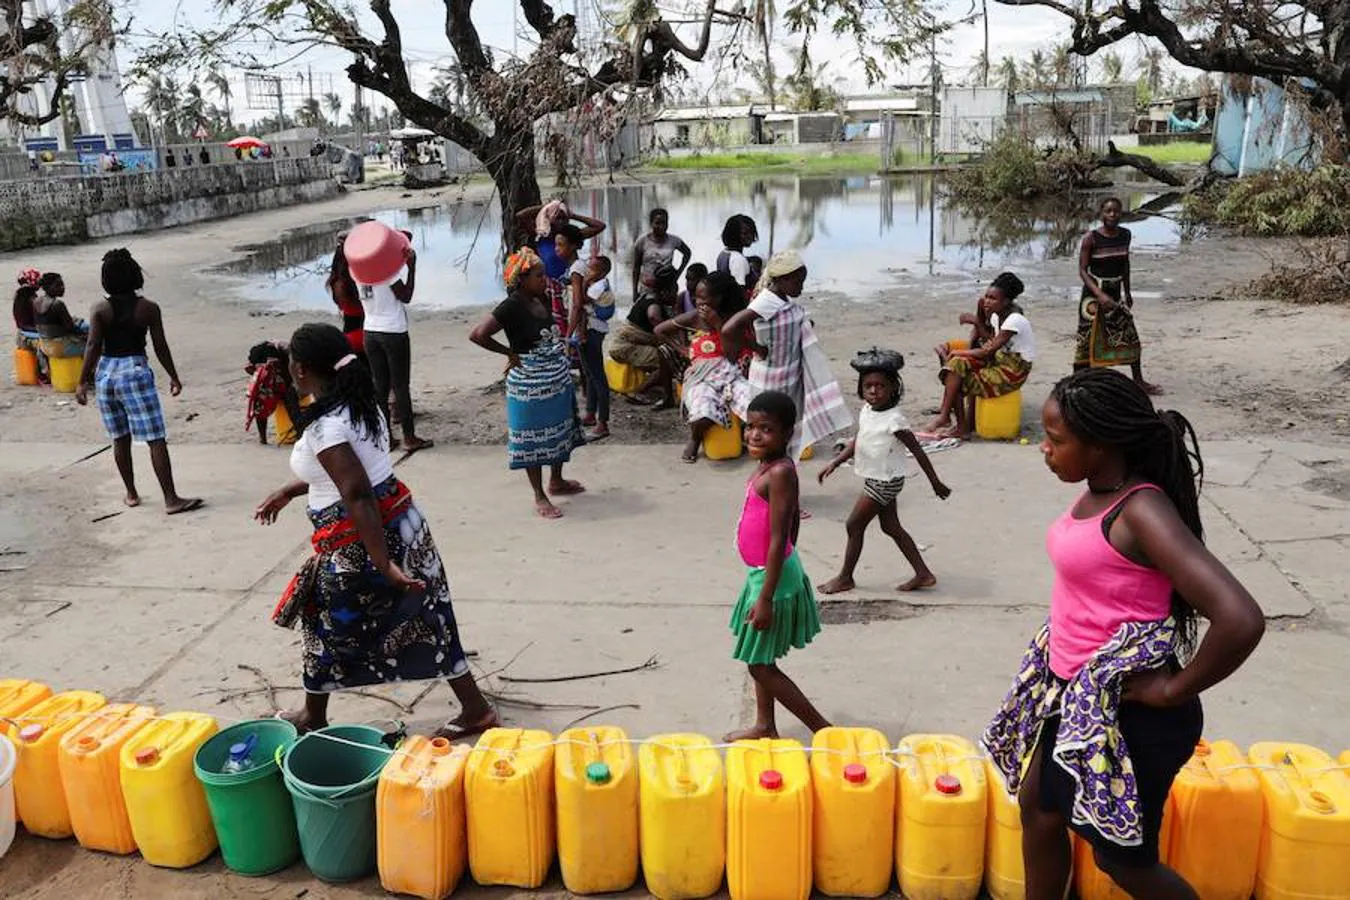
x=768, y=304
x=600, y=294
x=385, y=313
x=877, y=454
x=1023, y=341
x=328, y=431
x=738, y=266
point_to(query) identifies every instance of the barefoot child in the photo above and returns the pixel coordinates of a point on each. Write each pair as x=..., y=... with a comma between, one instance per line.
x=1106, y=707
x=878, y=452
x=777, y=608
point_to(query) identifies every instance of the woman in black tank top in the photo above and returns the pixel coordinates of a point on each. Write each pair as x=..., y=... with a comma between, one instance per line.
x=116, y=367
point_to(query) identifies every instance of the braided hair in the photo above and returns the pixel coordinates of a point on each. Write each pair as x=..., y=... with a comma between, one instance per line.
x=121, y=275
x=320, y=348
x=1106, y=408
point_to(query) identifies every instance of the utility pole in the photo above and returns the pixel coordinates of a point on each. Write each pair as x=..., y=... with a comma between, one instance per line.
x=933, y=100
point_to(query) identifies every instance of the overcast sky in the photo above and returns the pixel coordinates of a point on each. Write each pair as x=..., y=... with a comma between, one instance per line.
x=1014, y=31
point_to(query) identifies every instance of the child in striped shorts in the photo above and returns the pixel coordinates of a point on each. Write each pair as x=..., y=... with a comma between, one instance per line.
x=878, y=451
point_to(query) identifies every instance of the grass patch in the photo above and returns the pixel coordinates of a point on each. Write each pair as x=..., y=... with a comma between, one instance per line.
x=1187, y=153
x=822, y=163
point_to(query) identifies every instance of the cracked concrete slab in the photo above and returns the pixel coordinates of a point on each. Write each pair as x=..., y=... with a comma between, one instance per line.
x=1233, y=463
x=1267, y=514
x=1270, y=587
x=1318, y=567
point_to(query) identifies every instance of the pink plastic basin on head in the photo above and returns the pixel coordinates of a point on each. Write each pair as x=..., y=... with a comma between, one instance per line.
x=375, y=252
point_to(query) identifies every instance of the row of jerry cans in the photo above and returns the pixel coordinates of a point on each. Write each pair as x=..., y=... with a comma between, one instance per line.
x=116, y=777
x=773, y=822
x=1274, y=823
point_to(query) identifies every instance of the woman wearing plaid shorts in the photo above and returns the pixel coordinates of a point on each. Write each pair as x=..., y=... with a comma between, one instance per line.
x=115, y=365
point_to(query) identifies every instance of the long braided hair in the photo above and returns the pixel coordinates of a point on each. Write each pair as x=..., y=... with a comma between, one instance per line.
x=1106, y=408
x=320, y=347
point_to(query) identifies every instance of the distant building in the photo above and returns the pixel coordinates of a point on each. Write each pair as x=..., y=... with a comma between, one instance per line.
x=1096, y=112
x=708, y=126
x=103, y=120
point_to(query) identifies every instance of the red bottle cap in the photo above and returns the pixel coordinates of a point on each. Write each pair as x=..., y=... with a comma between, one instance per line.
x=855, y=773
x=32, y=732
x=947, y=784
x=147, y=756
x=771, y=780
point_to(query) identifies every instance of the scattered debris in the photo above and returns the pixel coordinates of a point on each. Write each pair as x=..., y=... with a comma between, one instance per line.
x=651, y=663
x=106, y=516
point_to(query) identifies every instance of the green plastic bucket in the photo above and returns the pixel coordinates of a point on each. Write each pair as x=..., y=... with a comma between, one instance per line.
x=251, y=810
x=332, y=785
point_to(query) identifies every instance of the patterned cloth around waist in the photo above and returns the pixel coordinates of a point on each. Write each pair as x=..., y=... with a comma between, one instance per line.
x=334, y=528
x=1090, y=746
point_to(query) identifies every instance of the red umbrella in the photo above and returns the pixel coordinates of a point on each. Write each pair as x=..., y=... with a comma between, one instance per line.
x=243, y=143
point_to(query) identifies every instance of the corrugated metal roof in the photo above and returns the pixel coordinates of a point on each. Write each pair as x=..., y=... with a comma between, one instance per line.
x=699, y=113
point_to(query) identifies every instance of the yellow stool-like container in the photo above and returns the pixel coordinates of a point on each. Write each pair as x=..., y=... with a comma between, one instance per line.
x=283, y=429
x=999, y=418
x=597, y=792
x=768, y=821
x=65, y=372
x=423, y=839
x=684, y=821
x=940, y=833
x=853, y=785
x=623, y=378
x=1005, y=876
x=165, y=802
x=723, y=443
x=91, y=775
x=25, y=367
x=1305, y=842
x=508, y=790
x=1216, y=822
x=38, y=793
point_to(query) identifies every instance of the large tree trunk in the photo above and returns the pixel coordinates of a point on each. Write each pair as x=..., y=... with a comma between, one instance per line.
x=510, y=161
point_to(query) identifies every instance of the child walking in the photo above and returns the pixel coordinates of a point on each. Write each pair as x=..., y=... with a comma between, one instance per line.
x=777, y=608
x=878, y=452
x=1106, y=707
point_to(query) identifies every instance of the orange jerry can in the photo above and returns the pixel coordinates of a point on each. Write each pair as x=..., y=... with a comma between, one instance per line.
x=38, y=792
x=1094, y=884
x=16, y=698
x=1305, y=842
x=423, y=831
x=768, y=821
x=1216, y=822
x=91, y=775
x=940, y=828
x=853, y=784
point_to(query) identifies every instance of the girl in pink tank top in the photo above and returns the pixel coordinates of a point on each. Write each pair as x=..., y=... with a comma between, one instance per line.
x=1131, y=572
x=777, y=607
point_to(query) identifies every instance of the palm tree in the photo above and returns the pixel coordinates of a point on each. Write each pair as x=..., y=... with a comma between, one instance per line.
x=334, y=104
x=1035, y=71
x=220, y=85
x=1113, y=67
x=979, y=68
x=193, y=112
x=310, y=114
x=1008, y=74
x=813, y=90
x=762, y=16
x=1152, y=68
x=1061, y=65
x=765, y=79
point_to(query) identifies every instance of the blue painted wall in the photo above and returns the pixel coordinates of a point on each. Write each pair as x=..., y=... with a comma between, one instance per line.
x=1260, y=130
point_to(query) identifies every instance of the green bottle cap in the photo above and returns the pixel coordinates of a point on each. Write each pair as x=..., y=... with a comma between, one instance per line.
x=597, y=773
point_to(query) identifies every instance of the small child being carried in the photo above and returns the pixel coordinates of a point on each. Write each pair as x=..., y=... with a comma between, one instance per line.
x=878, y=451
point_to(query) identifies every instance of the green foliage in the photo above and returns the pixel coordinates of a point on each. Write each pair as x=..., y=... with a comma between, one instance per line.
x=1285, y=202
x=1011, y=168
x=798, y=163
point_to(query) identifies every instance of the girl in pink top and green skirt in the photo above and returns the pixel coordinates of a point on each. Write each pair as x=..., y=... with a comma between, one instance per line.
x=777, y=607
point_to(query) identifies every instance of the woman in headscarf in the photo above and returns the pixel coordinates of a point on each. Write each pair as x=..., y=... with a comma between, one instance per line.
x=541, y=405
x=788, y=357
